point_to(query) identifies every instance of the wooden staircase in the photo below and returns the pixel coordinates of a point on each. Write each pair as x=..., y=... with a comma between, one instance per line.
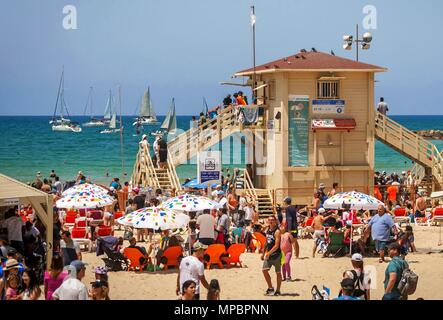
x=262, y=198
x=424, y=153
x=145, y=174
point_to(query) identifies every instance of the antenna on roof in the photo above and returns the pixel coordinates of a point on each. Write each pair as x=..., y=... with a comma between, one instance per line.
x=303, y=50
x=314, y=50
x=332, y=52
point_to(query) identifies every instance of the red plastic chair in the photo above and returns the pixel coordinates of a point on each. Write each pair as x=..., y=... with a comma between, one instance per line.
x=134, y=256
x=118, y=214
x=215, y=251
x=79, y=233
x=103, y=231
x=81, y=223
x=235, y=252
x=438, y=212
x=82, y=212
x=400, y=212
x=172, y=256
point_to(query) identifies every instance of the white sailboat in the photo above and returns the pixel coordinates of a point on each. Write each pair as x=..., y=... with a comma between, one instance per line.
x=147, y=114
x=93, y=122
x=112, y=125
x=169, y=125
x=62, y=123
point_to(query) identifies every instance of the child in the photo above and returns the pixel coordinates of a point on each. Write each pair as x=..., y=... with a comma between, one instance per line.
x=12, y=283
x=192, y=236
x=214, y=290
x=286, y=248
x=406, y=241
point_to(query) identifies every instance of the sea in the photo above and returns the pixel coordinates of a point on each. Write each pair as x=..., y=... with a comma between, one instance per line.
x=28, y=145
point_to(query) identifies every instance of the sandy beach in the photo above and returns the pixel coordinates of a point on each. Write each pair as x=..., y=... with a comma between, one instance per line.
x=247, y=283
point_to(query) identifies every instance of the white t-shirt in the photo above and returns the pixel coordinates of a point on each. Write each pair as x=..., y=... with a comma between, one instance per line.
x=14, y=225
x=206, y=224
x=242, y=203
x=75, y=245
x=191, y=269
x=248, y=213
x=71, y=289
x=223, y=201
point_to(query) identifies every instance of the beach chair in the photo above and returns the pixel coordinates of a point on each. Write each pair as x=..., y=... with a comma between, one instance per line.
x=70, y=221
x=306, y=229
x=437, y=217
x=172, y=256
x=81, y=223
x=82, y=212
x=234, y=252
x=103, y=231
x=336, y=244
x=401, y=215
x=214, y=252
x=117, y=215
x=134, y=256
x=80, y=235
x=260, y=238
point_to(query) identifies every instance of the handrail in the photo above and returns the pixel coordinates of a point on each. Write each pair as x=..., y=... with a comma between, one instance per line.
x=173, y=174
x=426, y=154
x=150, y=167
x=249, y=186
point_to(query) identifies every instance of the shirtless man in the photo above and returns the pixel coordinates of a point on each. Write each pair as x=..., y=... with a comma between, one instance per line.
x=420, y=206
x=319, y=230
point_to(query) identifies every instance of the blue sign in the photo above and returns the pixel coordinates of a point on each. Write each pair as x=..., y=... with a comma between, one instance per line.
x=209, y=176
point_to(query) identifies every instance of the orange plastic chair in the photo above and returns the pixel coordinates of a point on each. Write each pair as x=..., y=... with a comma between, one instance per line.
x=214, y=252
x=172, y=256
x=234, y=252
x=134, y=256
x=260, y=237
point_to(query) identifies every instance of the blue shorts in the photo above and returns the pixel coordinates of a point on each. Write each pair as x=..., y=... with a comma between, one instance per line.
x=380, y=245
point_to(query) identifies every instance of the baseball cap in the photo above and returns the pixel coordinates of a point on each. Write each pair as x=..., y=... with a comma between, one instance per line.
x=220, y=192
x=144, y=136
x=136, y=190
x=322, y=186
x=321, y=210
x=347, y=283
x=78, y=265
x=357, y=257
x=199, y=246
x=287, y=200
x=100, y=283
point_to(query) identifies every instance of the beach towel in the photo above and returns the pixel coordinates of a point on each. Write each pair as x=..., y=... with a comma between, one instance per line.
x=250, y=115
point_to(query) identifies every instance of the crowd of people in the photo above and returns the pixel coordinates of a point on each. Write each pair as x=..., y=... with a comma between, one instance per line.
x=236, y=220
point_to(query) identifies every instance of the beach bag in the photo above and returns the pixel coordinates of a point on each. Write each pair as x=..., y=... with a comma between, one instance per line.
x=408, y=282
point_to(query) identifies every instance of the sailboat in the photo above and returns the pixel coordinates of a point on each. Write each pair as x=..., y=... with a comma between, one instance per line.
x=93, y=122
x=147, y=114
x=169, y=125
x=62, y=123
x=112, y=125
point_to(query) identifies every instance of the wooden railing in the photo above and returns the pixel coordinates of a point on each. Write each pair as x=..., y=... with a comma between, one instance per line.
x=144, y=171
x=410, y=144
x=249, y=186
x=173, y=174
x=186, y=145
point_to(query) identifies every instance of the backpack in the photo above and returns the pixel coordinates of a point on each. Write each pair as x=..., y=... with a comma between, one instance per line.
x=358, y=281
x=408, y=282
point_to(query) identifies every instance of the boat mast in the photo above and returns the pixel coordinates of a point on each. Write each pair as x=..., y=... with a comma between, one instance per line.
x=58, y=93
x=121, y=131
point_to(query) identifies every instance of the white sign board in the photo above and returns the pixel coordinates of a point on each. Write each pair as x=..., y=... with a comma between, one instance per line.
x=328, y=106
x=209, y=167
x=11, y=202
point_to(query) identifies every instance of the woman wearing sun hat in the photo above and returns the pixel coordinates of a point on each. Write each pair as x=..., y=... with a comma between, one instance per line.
x=11, y=267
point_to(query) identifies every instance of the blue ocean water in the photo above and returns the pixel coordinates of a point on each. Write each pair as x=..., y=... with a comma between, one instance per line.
x=28, y=145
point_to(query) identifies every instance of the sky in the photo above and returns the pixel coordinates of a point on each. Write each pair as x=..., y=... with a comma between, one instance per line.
x=184, y=49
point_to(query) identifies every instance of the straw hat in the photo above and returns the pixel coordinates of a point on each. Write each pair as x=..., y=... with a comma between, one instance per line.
x=11, y=264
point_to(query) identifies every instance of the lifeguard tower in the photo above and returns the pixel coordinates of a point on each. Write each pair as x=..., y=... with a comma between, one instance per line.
x=318, y=124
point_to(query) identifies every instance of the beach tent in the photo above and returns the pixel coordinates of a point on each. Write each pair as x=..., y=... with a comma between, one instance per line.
x=13, y=193
x=195, y=185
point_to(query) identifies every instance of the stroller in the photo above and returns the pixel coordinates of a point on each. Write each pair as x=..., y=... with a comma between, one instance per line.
x=114, y=261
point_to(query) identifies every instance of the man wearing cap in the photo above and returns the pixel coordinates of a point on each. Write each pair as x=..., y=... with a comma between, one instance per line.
x=221, y=199
x=191, y=268
x=291, y=224
x=361, y=278
x=139, y=200
x=321, y=193
x=394, y=272
x=73, y=288
x=215, y=192
x=347, y=289
x=381, y=225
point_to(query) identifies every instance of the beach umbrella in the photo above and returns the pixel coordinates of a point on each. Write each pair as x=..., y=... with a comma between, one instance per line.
x=84, y=200
x=195, y=185
x=188, y=202
x=85, y=187
x=155, y=218
x=356, y=200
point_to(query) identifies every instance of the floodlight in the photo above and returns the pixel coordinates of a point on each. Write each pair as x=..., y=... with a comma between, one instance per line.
x=348, y=38
x=367, y=37
x=365, y=46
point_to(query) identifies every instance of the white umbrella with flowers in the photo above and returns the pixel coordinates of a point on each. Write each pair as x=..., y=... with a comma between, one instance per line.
x=356, y=200
x=154, y=218
x=188, y=203
x=84, y=200
x=85, y=187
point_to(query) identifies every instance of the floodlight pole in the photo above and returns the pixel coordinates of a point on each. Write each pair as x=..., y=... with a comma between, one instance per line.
x=253, y=54
x=357, y=41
